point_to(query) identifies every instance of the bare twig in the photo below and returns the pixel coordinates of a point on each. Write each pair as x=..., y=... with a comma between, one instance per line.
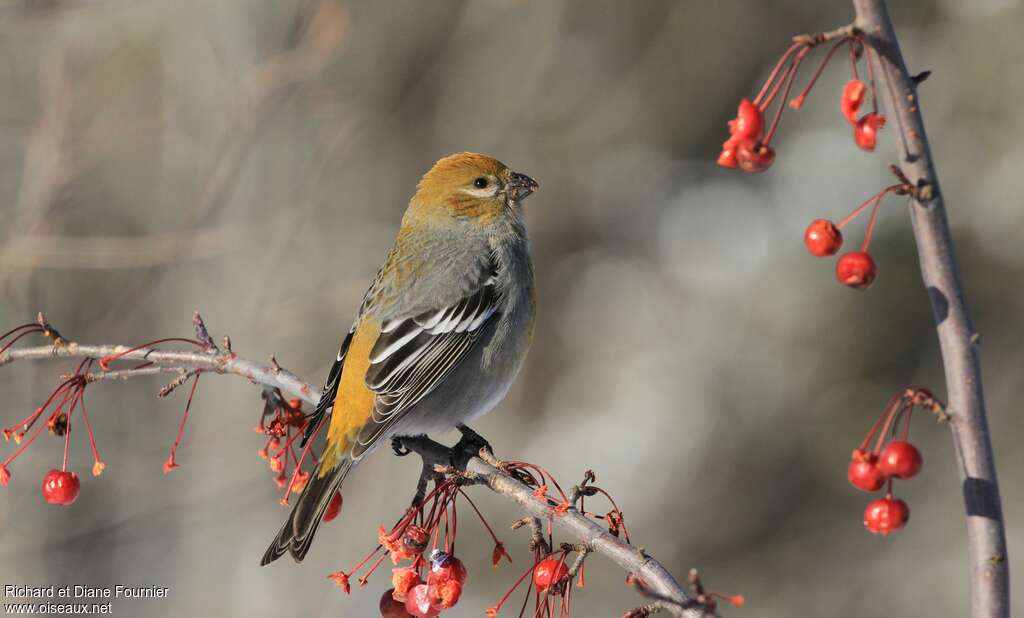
x=584, y=530
x=989, y=567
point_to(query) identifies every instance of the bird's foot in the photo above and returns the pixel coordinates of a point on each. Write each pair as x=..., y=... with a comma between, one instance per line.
x=399, y=447
x=471, y=443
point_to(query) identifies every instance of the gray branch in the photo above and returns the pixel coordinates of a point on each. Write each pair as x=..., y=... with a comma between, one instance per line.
x=989, y=567
x=584, y=530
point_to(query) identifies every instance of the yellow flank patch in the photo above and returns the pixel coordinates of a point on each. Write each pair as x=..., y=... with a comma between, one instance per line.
x=353, y=404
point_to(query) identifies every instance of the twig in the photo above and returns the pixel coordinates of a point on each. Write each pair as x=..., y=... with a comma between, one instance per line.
x=986, y=537
x=585, y=531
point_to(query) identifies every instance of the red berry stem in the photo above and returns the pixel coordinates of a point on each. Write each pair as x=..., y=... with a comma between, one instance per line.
x=894, y=401
x=483, y=520
x=856, y=211
x=871, y=222
x=622, y=521
x=789, y=78
x=888, y=424
x=30, y=420
x=854, y=56
x=67, y=438
x=98, y=464
x=106, y=360
x=493, y=611
x=871, y=75
x=24, y=445
x=906, y=426
x=31, y=328
x=171, y=462
x=775, y=72
x=817, y=73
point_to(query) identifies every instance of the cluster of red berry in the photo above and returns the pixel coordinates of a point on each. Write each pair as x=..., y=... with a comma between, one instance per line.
x=60, y=486
x=283, y=422
x=411, y=596
x=823, y=238
x=749, y=145
x=425, y=587
x=891, y=458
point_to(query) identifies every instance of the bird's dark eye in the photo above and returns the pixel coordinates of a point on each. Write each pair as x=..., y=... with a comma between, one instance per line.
x=480, y=183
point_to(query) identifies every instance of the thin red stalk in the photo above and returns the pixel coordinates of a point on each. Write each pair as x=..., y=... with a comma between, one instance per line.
x=906, y=426
x=785, y=95
x=15, y=340
x=302, y=457
x=105, y=361
x=67, y=440
x=88, y=427
x=23, y=446
x=37, y=328
x=885, y=428
x=853, y=57
x=30, y=420
x=184, y=417
x=856, y=211
x=871, y=77
x=494, y=537
x=514, y=586
x=895, y=399
x=365, y=559
x=821, y=68
x=871, y=223
x=615, y=506
x=775, y=71
x=787, y=76
x=366, y=576
x=455, y=525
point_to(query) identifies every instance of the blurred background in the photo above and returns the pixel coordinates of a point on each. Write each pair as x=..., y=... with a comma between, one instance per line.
x=252, y=160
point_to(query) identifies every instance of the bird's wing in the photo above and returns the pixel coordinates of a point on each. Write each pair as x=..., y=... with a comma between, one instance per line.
x=412, y=356
x=330, y=390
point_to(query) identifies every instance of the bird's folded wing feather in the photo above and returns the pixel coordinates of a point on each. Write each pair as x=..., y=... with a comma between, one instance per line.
x=412, y=356
x=330, y=390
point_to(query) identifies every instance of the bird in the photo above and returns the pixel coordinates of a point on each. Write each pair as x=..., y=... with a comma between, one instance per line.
x=439, y=336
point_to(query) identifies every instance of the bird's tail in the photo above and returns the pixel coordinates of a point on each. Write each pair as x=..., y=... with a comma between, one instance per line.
x=296, y=535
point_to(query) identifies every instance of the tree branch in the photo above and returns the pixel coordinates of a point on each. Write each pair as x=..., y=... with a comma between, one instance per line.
x=990, y=589
x=661, y=584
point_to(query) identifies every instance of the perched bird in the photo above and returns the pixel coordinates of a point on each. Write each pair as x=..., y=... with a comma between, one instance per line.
x=440, y=334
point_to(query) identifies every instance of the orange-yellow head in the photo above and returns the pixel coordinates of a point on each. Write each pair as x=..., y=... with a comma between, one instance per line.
x=470, y=185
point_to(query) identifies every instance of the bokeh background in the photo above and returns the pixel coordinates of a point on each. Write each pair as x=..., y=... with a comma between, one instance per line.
x=252, y=160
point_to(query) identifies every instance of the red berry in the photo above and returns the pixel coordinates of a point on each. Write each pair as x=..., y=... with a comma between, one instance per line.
x=886, y=515
x=445, y=567
x=446, y=594
x=865, y=130
x=856, y=269
x=60, y=487
x=727, y=158
x=749, y=123
x=901, y=459
x=864, y=475
x=333, y=508
x=390, y=608
x=549, y=572
x=420, y=603
x=752, y=156
x=404, y=579
x=853, y=97
x=823, y=238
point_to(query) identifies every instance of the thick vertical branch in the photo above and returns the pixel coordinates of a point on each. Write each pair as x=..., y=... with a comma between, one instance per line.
x=990, y=589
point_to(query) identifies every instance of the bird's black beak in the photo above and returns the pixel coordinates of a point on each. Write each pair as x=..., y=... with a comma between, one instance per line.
x=520, y=186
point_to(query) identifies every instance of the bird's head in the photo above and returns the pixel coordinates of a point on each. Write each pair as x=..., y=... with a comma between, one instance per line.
x=471, y=185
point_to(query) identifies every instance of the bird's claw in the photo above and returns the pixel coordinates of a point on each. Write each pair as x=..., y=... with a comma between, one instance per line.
x=399, y=448
x=471, y=443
